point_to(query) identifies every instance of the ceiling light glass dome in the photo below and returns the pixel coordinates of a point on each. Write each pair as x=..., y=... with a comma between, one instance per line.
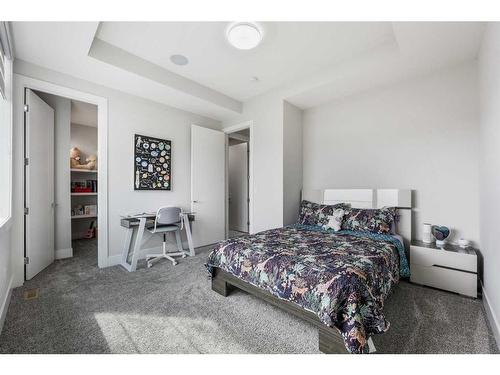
x=244, y=35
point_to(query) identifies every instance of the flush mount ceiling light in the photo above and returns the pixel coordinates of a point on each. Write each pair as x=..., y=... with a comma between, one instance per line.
x=179, y=59
x=244, y=35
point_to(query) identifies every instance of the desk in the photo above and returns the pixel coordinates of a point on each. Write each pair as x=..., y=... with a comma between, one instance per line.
x=139, y=222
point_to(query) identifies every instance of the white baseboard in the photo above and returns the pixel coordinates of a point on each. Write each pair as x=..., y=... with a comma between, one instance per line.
x=5, y=303
x=117, y=259
x=114, y=260
x=64, y=253
x=492, y=317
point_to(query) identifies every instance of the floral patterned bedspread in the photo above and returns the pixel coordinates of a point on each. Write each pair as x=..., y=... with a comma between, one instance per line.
x=343, y=277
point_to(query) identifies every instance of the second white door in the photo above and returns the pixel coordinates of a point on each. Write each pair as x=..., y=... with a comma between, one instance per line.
x=207, y=185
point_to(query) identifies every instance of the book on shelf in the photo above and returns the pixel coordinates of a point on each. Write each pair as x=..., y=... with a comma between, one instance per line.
x=84, y=186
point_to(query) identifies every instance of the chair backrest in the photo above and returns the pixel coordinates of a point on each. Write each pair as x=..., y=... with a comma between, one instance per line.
x=168, y=215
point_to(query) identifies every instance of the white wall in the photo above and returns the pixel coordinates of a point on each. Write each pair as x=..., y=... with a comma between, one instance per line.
x=421, y=134
x=5, y=195
x=85, y=138
x=5, y=146
x=489, y=173
x=62, y=225
x=292, y=162
x=126, y=115
x=5, y=274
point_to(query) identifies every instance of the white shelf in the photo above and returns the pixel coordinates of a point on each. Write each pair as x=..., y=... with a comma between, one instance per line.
x=83, y=216
x=84, y=170
x=83, y=194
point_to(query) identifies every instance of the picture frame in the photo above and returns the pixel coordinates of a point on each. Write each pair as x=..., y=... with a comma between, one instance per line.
x=152, y=163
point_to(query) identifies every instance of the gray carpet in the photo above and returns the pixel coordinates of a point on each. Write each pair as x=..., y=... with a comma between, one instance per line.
x=171, y=309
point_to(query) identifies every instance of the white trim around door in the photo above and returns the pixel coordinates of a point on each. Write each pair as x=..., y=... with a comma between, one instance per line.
x=232, y=129
x=20, y=84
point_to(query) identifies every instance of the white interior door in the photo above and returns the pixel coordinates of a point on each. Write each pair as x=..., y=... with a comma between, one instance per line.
x=207, y=184
x=39, y=184
x=238, y=187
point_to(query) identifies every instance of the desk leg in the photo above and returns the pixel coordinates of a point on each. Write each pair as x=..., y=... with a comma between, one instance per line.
x=138, y=244
x=187, y=228
x=126, y=248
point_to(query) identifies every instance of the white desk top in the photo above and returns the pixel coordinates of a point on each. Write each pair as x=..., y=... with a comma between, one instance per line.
x=149, y=214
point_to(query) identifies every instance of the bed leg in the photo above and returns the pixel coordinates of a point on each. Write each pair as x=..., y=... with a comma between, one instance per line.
x=221, y=286
x=330, y=341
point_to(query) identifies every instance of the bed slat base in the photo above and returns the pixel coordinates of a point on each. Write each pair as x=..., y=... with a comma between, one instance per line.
x=330, y=339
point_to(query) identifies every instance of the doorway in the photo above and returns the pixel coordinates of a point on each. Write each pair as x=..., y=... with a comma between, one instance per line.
x=60, y=180
x=23, y=84
x=239, y=179
x=238, y=183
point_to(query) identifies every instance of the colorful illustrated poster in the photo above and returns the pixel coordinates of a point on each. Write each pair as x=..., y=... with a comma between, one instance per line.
x=152, y=163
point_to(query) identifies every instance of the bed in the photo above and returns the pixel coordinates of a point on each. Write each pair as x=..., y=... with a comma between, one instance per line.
x=336, y=280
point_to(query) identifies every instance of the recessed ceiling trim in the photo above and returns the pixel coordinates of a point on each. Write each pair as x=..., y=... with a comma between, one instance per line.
x=120, y=58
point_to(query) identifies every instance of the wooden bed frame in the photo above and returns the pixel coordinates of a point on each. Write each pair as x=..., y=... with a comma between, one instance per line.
x=330, y=339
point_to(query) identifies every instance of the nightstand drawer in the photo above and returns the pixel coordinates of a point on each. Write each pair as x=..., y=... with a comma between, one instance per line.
x=431, y=257
x=454, y=281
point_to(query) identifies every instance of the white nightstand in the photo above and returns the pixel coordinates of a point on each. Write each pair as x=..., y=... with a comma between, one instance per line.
x=450, y=268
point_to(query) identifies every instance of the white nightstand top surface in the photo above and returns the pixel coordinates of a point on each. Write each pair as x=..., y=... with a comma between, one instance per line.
x=446, y=247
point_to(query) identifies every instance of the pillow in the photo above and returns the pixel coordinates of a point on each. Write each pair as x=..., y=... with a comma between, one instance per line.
x=317, y=214
x=335, y=220
x=369, y=220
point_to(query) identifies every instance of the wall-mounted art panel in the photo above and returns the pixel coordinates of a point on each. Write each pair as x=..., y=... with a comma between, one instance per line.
x=152, y=163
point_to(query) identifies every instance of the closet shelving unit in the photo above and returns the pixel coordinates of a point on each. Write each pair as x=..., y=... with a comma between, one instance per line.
x=83, y=198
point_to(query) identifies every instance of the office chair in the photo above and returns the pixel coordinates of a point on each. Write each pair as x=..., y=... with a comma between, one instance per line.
x=167, y=220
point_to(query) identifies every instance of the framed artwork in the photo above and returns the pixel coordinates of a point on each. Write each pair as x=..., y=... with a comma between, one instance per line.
x=152, y=163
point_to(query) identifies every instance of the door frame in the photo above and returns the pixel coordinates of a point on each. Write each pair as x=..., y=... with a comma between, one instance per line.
x=21, y=84
x=227, y=131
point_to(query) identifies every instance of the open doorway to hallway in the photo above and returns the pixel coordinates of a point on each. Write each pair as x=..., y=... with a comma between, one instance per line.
x=238, y=183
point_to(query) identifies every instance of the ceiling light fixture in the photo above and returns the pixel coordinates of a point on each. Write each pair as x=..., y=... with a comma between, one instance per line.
x=179, y=59
x=244, y=35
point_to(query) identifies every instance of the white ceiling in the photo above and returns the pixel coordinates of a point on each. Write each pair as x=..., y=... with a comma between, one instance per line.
x=83, y=113
x=311, y=62
x=289, y=50
x=64, y=47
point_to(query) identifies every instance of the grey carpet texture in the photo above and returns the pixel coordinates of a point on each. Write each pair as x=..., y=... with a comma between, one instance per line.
x=171, y=309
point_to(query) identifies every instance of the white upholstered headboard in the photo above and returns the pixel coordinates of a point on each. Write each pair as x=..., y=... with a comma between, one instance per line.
x=370, y=198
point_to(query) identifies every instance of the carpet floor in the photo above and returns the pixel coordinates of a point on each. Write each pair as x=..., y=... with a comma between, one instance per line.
x=171, y=309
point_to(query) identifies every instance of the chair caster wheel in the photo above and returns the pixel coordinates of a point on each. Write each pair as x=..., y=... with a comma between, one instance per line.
x=174, y=263
x=150, y=265
x=184, y=255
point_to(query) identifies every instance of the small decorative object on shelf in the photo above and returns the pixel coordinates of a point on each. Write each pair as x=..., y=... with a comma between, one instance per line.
x=90, y=210
x=75, y=157
x=463, y=243
x=440, y=233
x=91, y=231
x=91, y=162
x=78, y=210
x=427, y=233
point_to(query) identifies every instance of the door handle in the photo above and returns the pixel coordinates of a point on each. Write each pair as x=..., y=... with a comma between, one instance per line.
x=195, y=202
